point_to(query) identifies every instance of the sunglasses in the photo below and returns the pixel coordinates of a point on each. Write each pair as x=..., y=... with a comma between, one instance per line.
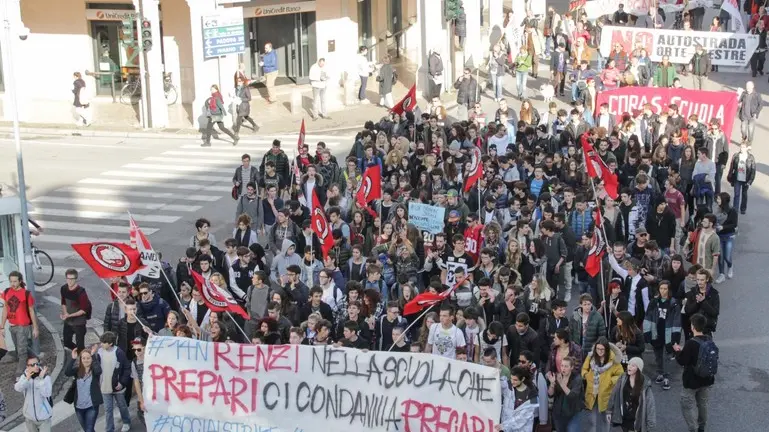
x=33, y=364
x=138, y=349
x=144, y=292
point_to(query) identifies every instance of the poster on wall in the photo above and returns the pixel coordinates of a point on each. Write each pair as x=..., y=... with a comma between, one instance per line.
x=192, y=385
x=726, y=49
x=706, y=105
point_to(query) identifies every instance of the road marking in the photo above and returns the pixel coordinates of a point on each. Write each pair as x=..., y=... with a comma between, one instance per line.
x=70, y=226
x=116, y=204
x=66, y=144
x=166, y=176
x=130, y=193
x=185, y=167
x=52, y=299
x=87, y=214
x=317, y=138
x=196, y=160
x=58, y=254
x=235, y=155
x=157, y=185
x=44, y=288
x=52, y=238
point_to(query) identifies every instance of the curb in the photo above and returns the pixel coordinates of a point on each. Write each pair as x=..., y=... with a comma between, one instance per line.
x=56, y=370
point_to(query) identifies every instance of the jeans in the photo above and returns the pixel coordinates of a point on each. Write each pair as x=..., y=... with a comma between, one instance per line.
x=496, y=82
x=719, y=176
x=362, y=89
x=741, y=195
x=595, y=421
x=318, y=101
x=568, y=278
x=573, y=424
x=78, y=332
x=661, y=359
x=694, y=406
x=574, y=91
x=727, y=246
x=87, y=418
x=548, y=45
x=21, y=337
x=520, y=83
x=109, y=410
x=747, y=128
x=38, y=426
x=210, y=129
x=239, y=122
x=699, y=81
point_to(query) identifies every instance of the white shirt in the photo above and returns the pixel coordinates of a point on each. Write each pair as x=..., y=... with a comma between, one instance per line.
x=364, y=66
x=633, y=286
x=445, y=342
x=317, y=75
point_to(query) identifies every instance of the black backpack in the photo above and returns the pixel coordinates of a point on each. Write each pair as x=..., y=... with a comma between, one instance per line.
x=707, y=358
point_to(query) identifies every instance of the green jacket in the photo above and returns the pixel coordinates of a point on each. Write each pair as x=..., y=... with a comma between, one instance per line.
x=666, y=79
x=596, y=327
x=523, y=63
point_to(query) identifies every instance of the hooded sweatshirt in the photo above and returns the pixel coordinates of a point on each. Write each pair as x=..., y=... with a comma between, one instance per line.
x=36, y=393
x=284, y=259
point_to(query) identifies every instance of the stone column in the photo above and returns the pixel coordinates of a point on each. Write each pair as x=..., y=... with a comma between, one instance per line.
x=473, y=45
x=156, y=104
x=13, y=47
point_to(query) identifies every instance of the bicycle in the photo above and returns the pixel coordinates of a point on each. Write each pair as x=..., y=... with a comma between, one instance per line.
x=131, y=92
x=42, y=266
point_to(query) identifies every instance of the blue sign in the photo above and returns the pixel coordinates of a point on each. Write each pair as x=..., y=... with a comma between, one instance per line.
x=426, y=217
x=224, y=33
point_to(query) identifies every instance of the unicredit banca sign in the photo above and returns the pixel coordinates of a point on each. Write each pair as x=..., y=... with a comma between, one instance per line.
x=109, y=14
x=281, y=9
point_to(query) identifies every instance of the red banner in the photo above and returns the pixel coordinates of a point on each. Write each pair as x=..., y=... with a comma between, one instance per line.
x=706, y=104
x=407, y=103
x=109, y=260
x=320, y=225
x=217, y=299
x=575, y=4
x=370, y=187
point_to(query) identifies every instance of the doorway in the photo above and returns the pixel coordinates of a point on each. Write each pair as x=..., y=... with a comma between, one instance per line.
x=293, y=39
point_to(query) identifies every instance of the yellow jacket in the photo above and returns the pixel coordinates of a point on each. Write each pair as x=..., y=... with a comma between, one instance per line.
x=606, y=381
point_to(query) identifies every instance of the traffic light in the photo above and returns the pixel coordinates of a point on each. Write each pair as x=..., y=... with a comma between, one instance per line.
x=127, y=29
x=146, y=35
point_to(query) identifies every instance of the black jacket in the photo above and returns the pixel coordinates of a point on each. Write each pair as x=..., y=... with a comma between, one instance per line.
x=529, y=341
x=325, y=312
x=750, y=169
x=661, y=227
x=710, y=307
x=687, y=358
x=467, y=91
x=71, y=371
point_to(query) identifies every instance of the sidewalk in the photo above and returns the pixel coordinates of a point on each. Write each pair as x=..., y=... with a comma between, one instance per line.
x=53, y=357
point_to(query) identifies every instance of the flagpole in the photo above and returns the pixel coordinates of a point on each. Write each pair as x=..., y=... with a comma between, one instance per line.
x=145, y=326
x=243, y=332
x=602, y=284
x=403, y=335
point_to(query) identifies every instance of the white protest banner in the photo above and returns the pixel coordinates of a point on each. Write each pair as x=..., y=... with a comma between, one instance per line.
x=598, y=8
x=191, y=385
x=426, y=217
x=725, y=49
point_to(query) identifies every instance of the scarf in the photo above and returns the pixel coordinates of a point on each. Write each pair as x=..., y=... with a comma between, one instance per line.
x=597, y=371
x=243, y=237
x=212, y=101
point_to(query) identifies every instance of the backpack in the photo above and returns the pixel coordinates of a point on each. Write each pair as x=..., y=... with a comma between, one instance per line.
x=707, y=359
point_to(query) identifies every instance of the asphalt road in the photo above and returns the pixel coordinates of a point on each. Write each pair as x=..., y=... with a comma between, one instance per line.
x=81, y=188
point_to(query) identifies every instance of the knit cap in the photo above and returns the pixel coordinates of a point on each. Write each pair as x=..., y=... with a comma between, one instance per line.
x=637, y=362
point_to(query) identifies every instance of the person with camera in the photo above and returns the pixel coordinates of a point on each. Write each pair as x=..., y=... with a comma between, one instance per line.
x=36, y=386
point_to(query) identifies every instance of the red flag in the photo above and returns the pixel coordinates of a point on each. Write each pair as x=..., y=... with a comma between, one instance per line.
x=597, y=169
x=428, y=299
x=300, y=141
x=476, y=169
x=217, y=299
x=597, y=246
x=370, y=187
x=149, y=258
x=407, y=103
x=320, y=225
x=109, y=260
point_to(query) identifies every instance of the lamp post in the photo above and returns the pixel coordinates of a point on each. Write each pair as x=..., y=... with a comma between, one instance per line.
x=8, y=43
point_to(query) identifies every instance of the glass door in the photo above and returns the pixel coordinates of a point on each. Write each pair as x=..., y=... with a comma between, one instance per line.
x=305, y=24
x=364, y=24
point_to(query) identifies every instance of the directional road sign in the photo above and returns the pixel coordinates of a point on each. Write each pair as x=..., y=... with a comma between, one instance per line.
x=224, y=33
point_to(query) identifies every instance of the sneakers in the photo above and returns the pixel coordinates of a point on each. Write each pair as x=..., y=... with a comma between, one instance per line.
x=721, y=278
x=567, y=296
x=125, y=428
x=666, y=384
x=730, y=272
x=659, y=379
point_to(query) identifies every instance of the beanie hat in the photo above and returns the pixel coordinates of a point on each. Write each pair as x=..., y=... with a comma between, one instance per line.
x=638, y=362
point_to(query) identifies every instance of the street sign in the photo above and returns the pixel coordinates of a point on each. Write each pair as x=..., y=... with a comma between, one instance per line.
x=224, y=33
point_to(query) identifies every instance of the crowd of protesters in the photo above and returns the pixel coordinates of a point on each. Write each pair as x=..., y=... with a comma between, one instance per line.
x=513, y=252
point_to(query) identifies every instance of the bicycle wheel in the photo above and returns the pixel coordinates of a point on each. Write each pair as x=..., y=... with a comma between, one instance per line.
x=130, y=93
x=42, y=267
x=171, y=95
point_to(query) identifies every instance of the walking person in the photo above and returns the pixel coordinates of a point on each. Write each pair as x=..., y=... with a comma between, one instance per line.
x=566, y=388
x=386, y=79
x=269, y=64
x=116, y=376
x=496, y=67
x=750, y=105
x=36, y=386
x=214, y=111
x=662, y=329
x=700, y=66
x=85, y=392
x=631, y=405
x=19, y=313
x=82, y=101
x=522, y=65
x=559, y=68
x=243, y=108
x=467, y=93
x=742, y=172
x=601, y=370
x=726, y=228
x=318, y=81
x=699, y=357
x=75, y=311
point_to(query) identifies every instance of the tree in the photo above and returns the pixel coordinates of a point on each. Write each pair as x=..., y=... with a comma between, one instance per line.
x=451, y=9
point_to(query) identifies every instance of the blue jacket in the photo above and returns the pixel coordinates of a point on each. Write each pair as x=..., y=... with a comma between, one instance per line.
x=154, y=313
x=581, y=222
x=270, y=60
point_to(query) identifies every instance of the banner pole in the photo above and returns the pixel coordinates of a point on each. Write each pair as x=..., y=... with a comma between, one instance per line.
x=602, y=283
x=144, y=325
x=243, y=332
x=403, y=335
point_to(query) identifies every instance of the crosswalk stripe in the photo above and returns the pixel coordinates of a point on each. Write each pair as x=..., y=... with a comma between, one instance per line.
x=113, y=229
x=313, y=138
x=130, y=193
x=53, y=238
x=57, y=254
x=216, y=153
x=157, y=185
x=87, y=214
x=196, y=160
x=191, y=168
x=167, y=176
x=115, y=204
